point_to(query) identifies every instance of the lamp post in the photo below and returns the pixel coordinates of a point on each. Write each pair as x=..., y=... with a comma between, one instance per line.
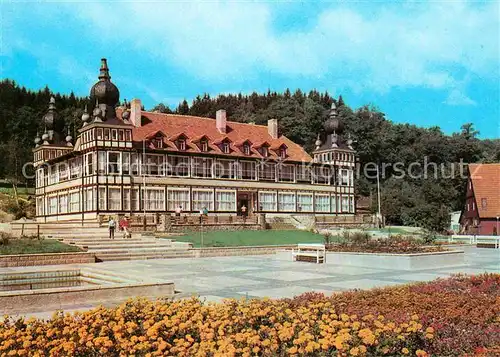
x=498, y=217
x=379, y=218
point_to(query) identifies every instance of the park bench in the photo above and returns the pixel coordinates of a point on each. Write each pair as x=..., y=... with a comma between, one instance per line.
x=313, y=252
x=488, y=242
x=481, y=241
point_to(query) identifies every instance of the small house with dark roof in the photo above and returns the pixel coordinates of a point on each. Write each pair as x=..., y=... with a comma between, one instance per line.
x=481, y=213
x=125, y=160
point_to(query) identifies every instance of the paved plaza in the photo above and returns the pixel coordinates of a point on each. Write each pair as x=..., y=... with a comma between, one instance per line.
x=264, y=276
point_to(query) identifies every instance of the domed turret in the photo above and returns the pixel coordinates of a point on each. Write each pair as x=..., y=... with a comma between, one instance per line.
x=126, y=115
x=50, y=117
x=318, y=142
x=85, y=116
x=349, y=141
x=104, y=91
x=38, y=140
x=69, y=138
x=45, y=137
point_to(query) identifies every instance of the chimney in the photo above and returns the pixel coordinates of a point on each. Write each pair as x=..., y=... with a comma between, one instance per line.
x=272, y=128
x=220, y=121
x=136, y=112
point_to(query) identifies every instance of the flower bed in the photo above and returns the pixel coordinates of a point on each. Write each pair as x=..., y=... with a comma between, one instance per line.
x=444, y=318
x=362, y=243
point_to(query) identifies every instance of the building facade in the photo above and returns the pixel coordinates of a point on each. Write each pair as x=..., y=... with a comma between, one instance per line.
x=481, y=213
x=125, y=160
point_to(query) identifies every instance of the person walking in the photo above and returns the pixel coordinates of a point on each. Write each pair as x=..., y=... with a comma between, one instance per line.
x=111, y=227
x=124, y=226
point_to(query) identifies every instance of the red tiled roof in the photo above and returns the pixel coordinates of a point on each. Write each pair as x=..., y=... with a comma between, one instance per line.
x=195, y=127
x=486, y=184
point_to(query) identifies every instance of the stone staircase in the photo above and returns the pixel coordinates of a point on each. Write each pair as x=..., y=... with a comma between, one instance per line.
x=136, y=248
x=281, y=222
x=94, y=238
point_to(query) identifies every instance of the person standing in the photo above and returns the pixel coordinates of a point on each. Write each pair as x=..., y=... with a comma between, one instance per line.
x=201, y=215
x=111, y=227
x=244, y=213
x=178, y=211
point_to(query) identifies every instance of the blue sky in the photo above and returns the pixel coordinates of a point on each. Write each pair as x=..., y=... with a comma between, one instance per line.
x=425, y=63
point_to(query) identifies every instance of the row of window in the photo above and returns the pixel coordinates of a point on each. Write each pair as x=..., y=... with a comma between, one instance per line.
x=472, y=205
x=126, y=163
x=107, y=134
x=153, y=199
x=334, y=156
x=305, y=202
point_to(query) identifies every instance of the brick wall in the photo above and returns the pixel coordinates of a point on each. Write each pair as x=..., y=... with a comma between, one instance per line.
x=22, y=260
x=238, y=251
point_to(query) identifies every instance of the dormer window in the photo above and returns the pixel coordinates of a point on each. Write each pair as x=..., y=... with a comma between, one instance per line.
x=283, y=153
x=181, y=144
x=204, y=145
x=246, y=149
x=158, y=142
x=264, y=151
x=225, y=147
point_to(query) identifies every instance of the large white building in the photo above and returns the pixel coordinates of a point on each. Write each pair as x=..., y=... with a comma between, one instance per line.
x=129, y=161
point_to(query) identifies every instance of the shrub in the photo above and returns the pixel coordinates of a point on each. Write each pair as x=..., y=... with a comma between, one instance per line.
x=327, y=237
x=429, y=237
x=5, y=238
x=360, y=238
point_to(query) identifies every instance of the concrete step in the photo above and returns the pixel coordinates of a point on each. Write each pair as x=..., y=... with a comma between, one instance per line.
x=105, y=277
x=92, y=248
x=109, y=241
x=141, y=256
x=100, y=252
x=55, y=225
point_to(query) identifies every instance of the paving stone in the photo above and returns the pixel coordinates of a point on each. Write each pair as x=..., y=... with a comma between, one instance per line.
x=217, y=278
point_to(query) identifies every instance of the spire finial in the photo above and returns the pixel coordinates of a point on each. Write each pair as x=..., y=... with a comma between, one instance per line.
x=104, y=71
x=45, y=136
x=69, y=138
x=85, y=116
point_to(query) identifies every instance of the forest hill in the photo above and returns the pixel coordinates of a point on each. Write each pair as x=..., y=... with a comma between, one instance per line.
x=423, y=201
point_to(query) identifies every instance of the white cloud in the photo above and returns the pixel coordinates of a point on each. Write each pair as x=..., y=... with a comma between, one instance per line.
x=413, y=44
x=457, y=98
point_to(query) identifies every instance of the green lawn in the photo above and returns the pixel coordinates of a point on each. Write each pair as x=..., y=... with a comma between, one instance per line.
x=34, y=246
x=249, y=238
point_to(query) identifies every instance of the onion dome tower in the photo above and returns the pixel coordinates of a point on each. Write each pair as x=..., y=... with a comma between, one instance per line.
x=104, y=93
x=333, y=144
x=333, y=126
x=48, y=121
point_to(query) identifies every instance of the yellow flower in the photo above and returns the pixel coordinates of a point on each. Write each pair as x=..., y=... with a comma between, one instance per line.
x=292, y=350
x=421, y=353
x=354, y=351
x=429, y=336
x=405, y=351
x=429, y=330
